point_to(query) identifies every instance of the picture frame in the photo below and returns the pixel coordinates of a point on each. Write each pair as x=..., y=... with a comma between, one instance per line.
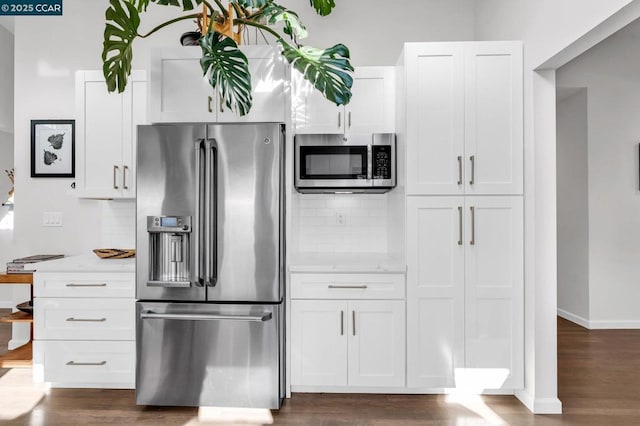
x=53, y=148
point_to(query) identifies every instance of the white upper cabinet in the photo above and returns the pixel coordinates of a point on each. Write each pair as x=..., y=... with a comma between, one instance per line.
x=106, y=134
x=464, y=118
x=371, y=109
x=180, y=93
x=435, y=118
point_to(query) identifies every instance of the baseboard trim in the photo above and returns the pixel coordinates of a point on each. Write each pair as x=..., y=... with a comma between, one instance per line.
x=577, y=319
x=539, y=405
x=599, y=324
x=605, y=325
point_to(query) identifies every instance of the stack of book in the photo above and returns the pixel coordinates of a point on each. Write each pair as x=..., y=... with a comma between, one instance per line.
x=24, y=264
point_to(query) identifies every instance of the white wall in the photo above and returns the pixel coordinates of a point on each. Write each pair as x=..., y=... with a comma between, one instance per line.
x=6, y=82
x=612, y=77
x=375, y=30
x=573, y=205
x=546, y=27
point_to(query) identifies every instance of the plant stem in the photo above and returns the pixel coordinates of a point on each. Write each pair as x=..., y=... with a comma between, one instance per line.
x=222, y=9
x=237, y=9
x=173, y=21
x=262, y=27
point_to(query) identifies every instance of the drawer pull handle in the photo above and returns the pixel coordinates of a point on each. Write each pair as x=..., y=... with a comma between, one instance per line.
x=348, y=286
x=73, y=363
x=87, y=285
x=86, y=319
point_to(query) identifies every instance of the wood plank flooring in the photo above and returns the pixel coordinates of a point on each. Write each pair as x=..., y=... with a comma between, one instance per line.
x=599, y=384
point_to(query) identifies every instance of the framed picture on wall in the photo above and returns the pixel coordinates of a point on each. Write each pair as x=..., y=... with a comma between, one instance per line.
x=53, y=150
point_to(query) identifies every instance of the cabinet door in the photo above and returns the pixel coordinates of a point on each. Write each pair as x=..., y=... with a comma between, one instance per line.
x=494, y=126
x=100, y=132
x=376, y=343
x=494, y=292
x=312, y=112
x=435, y=118
x=318, y=343
x=179, y=92
x=372, y=106
x=268, y=82
x=135, y=114
x=435, y=290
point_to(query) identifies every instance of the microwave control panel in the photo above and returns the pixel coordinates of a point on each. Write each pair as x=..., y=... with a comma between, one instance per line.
x=381, y=161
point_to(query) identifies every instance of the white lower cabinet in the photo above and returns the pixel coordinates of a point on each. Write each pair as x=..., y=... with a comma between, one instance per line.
x=346, y=343
x=84, y=329
x=465, y=279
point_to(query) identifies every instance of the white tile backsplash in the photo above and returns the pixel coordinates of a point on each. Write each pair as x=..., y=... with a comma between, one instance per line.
x=316, y=228
x=119, y=224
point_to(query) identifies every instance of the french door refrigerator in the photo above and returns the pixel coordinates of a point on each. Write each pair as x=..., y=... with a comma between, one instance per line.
x=210, y=265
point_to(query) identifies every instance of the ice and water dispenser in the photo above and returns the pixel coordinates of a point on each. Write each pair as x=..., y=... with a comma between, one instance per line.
x=169, y=251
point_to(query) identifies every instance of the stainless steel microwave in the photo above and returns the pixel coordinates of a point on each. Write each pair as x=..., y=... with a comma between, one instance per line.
x=345, y=163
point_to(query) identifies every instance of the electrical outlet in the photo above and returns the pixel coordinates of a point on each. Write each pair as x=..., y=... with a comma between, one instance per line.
x=52, y=219
x=340, y=220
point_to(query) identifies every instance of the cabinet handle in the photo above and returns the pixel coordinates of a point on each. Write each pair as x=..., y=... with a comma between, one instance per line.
x=473, y=169
x=339, y=119
x=459, y=169
x=347, y=286
x=86, y=363
x=209, y=100
x=342, y=323
x=353, y=317
x=115, y=172
x=124, y=177
x=87, y=285
x=221, y=103
x=473, y=226
x=85, y=319
x=459, y=225
x=349, y=119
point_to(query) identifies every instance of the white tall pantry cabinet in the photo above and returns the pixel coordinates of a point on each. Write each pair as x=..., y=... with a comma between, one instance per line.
x=461, y=123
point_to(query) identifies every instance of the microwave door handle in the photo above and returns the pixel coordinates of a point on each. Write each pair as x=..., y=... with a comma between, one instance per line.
x=210, y=214
x=199, y=214
x=369, y=162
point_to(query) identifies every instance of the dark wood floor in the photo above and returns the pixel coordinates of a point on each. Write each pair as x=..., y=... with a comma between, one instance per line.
x=599, y=384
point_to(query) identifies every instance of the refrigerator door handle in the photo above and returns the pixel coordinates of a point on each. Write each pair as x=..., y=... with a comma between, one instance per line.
x=265, y=316
x=197, y=255
x=210, y=214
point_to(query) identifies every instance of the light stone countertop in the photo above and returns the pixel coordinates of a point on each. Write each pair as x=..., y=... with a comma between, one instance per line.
x=86, y=263
x=347, y=263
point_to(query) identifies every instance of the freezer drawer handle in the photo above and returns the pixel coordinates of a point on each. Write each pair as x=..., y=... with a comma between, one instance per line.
x=87, y=285
x=72, y=319
x=348, y=286
x=206, y=317
x=73, y=363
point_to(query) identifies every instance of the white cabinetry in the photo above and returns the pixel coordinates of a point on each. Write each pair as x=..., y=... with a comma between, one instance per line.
x=85, y=329
x=465, y=290
x=180, y=93
x=106, y=129
x=347, y=342
x=371, y=110
x=464, y=118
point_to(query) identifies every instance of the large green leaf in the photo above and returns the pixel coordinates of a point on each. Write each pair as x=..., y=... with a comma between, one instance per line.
x=184, y=4
x=323, y=7
x=292, y=25
x=328, y=70
x=141, y=5
x=120, y=31
x=227, y=69
x=253, y=4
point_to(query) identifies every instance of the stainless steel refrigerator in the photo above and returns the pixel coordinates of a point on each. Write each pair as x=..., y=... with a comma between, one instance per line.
x=210, y=265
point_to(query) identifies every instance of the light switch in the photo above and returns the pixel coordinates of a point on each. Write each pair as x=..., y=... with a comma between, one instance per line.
x=52, y=219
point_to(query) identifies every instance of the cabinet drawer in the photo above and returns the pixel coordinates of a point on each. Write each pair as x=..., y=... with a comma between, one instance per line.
x=347, y=286
x=81, y=284
x=85, y=364
x=84, y=319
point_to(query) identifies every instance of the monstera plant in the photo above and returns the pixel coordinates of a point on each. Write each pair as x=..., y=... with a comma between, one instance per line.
x=220, y=31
